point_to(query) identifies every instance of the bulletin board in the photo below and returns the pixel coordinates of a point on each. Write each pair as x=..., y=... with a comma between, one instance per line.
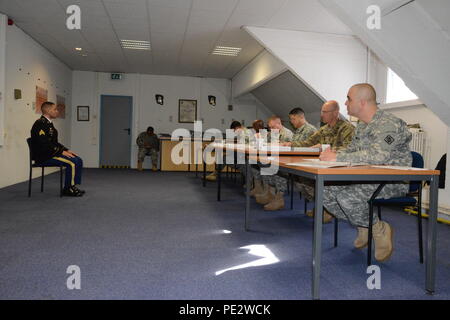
x=61, y=106
x=41, y=97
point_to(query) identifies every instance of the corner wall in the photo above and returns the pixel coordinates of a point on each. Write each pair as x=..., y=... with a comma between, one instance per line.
x=28, y=65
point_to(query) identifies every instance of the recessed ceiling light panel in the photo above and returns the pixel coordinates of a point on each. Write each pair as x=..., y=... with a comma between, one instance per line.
x=226, y=51
x=135, y=44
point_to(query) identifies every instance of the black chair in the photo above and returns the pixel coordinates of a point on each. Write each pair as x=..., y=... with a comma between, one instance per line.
x=415, y=190
x=34, y=165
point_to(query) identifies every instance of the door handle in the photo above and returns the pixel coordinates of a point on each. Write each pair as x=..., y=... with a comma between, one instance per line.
x=127, y=129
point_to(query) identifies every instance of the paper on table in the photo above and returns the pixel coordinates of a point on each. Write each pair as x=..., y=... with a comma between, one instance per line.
x=275, y=148
x=325, y=164
x=399, y=168
x=304, y=149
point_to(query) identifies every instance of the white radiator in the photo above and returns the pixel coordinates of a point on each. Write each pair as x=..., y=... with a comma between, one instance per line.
x=418, y=141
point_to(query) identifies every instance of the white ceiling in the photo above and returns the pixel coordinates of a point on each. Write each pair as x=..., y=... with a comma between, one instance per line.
x=182, y=33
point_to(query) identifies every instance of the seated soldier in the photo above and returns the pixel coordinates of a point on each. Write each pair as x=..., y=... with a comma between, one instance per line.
x=337, y=133
x=47, y=151
x=273, y=197
x=148, y=143
x=243, y=136
x=382, y=139
x=281, y=134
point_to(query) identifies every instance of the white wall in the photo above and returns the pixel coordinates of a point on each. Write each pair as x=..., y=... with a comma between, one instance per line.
x=328, y=63
x=435, y=129
x=438, y=142
x=28, y=64
x=412, y=112
x=2, y=74
x=261, y=69
x=89, y=86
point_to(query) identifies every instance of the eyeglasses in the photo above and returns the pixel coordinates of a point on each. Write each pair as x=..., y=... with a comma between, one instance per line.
x=327, y=111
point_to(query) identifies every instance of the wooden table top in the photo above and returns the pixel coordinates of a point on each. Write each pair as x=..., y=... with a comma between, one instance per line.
x=253, y=151
x=283, y=161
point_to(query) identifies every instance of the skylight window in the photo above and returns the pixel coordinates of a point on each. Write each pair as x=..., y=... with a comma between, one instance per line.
x=397, y=90
x=226, y=51
x=135, y=44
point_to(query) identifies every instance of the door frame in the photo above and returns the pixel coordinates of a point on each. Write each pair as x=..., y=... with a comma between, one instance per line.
x=102, y=96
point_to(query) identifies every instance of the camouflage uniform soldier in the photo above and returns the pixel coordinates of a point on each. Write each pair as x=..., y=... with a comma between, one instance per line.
x=337, y=133
x=148, y=143
x=244, y=136
x=380, y=138
x=280, y=134
x=272, y=198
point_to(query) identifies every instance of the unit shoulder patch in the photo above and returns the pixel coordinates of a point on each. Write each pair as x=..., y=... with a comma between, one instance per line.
x=389, y=139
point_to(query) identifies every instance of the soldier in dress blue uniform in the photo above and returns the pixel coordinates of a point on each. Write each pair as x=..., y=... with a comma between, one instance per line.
x=46, y=150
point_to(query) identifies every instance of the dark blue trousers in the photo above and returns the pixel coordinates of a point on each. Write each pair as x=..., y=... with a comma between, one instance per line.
x=74, y=167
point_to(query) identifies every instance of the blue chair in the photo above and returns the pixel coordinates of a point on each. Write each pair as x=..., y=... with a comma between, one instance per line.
x=34, y=165
x=415, y=190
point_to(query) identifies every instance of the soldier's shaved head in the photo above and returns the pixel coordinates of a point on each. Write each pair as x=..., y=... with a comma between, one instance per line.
x=365, y=92
x=331, y=105
x=362, y=101
x=329, y=113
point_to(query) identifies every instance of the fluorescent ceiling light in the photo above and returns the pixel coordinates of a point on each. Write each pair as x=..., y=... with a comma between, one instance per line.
x=78, y=49
x=135, y=44
x=226, y=51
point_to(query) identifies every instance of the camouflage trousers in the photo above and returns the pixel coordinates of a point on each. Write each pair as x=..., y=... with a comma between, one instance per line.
x=306, y=187
x=280, y=183
x=350, y=202
x=243, y=171
x=276, y=181
x=153, y=153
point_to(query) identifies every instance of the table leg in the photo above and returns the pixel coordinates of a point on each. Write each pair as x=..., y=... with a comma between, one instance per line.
x=219, y=178
x=317, y=238
x=204, y=170
x=247, y=192
x=291, y=180
x=430, y=267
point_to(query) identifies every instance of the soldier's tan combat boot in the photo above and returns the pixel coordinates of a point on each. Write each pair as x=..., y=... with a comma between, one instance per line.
x=266, y=197
x=362, y=239
x=327, y=217
x=139, y=165
x=277, y=202
x=257, y=189
x=383, y=238
x=154, y=168
x=211, y=176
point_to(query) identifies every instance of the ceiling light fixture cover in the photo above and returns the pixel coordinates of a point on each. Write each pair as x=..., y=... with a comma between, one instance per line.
x=135, y=44
x=226, y=51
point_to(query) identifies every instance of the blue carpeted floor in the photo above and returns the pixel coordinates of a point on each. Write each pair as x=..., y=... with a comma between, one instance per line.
x=161, y=236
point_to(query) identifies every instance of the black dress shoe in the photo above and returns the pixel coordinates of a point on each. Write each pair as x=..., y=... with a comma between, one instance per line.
x=78, y=190
x=70, y=192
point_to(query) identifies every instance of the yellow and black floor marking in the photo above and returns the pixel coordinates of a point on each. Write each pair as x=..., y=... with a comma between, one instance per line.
x=114, y=167
x=424, y=215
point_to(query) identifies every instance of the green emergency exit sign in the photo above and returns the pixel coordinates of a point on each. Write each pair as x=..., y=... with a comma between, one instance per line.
x=116, y=76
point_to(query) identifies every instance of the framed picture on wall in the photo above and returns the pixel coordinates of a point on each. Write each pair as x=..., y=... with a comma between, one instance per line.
x=82, y=113
x=187, y=111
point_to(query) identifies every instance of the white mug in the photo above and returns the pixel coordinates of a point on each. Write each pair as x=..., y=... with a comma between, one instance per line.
x=325, y=147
